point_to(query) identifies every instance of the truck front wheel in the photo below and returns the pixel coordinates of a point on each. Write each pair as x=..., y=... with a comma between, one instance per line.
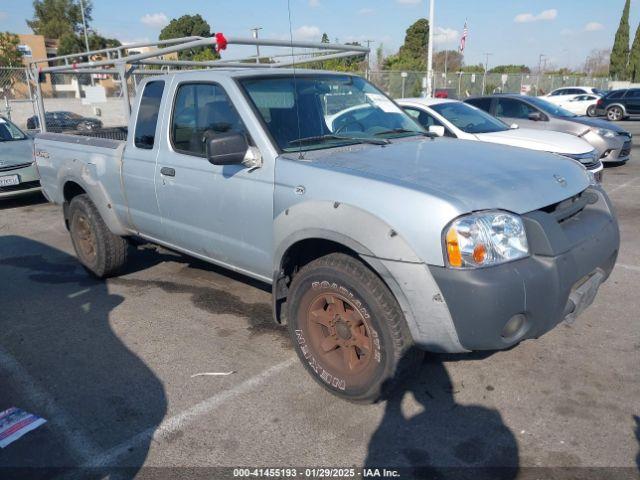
x=347, y=328
x=101, y=252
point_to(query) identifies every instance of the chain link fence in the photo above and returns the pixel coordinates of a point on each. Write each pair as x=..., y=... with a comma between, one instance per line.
x=72, y=104
x=462, y=85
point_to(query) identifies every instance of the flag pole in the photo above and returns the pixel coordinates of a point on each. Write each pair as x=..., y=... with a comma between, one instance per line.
x=429, y=92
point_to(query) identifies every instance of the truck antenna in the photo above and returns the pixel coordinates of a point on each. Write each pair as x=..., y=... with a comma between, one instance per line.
x=295, y=83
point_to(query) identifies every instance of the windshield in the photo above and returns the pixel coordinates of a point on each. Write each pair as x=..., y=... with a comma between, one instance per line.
x=310, y=112
x=550, y=108
x=9, y=132
x=469, y=119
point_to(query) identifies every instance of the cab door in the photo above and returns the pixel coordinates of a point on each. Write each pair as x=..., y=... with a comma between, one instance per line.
x=139, y=166
x=220, y=212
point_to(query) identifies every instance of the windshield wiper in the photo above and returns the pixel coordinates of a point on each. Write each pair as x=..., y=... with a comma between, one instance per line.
x=404, y=130
x=320, y=138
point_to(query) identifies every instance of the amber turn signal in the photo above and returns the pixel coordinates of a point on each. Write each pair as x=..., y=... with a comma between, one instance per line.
x=453, y=249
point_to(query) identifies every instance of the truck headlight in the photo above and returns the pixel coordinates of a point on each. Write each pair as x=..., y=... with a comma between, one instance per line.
x=485, y=238
x=605, y=132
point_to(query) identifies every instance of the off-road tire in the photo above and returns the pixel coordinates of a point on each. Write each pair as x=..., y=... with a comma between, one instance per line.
x=108, y=253
x=615, y=114
x=338, y=275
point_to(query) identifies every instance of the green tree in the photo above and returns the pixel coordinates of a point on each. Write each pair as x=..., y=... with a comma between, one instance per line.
x=620, y=53
x=54, y=18
x=510, y=69
x=187, y=26
x=412, y=55
x=70, y=43
x=452, y=59
x=10, y=56
x=473, y=68
x=634, y=58
x=325, y=38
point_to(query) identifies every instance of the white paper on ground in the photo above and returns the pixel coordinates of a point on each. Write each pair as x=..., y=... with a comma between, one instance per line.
x=14, y=423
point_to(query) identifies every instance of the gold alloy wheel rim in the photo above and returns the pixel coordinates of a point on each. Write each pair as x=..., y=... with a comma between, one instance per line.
x=85, y=238
x=340, y=334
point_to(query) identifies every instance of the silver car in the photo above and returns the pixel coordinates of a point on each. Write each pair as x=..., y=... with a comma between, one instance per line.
x=18, y=173
x=612, y=141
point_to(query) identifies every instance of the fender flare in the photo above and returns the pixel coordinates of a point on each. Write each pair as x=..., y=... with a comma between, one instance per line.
x=380, y=247
x=100, y=198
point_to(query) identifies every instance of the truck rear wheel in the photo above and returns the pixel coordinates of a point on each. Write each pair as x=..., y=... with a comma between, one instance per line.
x=101, y=252
x=348, y=329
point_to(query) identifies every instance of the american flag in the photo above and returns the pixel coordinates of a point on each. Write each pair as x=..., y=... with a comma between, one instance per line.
x=463, y=39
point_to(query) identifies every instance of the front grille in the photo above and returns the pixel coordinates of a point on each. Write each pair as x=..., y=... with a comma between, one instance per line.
x=588, y=160
x=572, y=206
x=14, y=167
x=20, y=186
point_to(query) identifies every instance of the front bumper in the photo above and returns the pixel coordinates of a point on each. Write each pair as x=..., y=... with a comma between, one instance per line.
x=27, y=176
x=541, y=290
x=618, y=151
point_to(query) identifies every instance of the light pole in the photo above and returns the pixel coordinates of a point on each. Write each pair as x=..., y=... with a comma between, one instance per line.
x=254, y=31
x=429, y=91
x=540, y=57
x=486, y=67
x=86, y=38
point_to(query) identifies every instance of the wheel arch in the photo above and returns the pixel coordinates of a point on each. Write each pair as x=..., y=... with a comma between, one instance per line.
x=72, y=187
x=624, y=110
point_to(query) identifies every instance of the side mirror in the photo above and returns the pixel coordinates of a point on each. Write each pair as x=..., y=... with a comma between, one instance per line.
x=437, y=129
x=535, y=116
x=227, y=148
x=514, y=126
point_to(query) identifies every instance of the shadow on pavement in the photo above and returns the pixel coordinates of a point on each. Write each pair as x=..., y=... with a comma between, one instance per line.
x=25, y=200
x=61, y=359
x=446, y=439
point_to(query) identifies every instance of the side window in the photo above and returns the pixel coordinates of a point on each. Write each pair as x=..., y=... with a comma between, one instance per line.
x=147, y=120
x=616, y=94
x=633, y=93
x=512, y=108
x=481, y=103
x=561, y=91
x=200, y=111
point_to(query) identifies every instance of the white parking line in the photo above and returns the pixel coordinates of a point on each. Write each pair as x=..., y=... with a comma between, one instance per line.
x=620, y=187
x=633, y=268
x=80, y=445
x=181, y=420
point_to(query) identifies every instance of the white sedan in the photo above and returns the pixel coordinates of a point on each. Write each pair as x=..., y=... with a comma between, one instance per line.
x=452, y=118
x=563, y=94
x=582, y=105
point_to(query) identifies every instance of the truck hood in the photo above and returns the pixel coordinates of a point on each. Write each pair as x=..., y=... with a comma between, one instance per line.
x=469, y=175
x=543, y=140
x=16, y=152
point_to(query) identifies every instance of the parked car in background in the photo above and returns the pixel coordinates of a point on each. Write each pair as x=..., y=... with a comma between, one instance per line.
x=563, y=94
x=63, y=121
x=582, y=105
x=18, y=173
x=457, y=119
x=612, y=142
x=619, y=104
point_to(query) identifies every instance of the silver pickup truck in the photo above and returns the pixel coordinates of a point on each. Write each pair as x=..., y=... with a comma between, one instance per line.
x=378, y=240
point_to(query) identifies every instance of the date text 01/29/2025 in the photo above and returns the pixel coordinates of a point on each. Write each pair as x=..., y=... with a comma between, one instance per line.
x=315, y=473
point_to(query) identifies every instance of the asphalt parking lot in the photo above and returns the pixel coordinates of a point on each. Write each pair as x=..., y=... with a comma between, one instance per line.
x=110, y=365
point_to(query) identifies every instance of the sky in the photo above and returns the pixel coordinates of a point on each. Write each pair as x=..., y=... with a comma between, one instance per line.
x=513, y=31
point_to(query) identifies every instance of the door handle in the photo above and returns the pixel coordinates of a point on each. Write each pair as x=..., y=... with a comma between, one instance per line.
x=168, y=172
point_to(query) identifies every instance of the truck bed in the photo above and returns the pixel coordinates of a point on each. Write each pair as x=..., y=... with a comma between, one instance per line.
x=93, y=162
